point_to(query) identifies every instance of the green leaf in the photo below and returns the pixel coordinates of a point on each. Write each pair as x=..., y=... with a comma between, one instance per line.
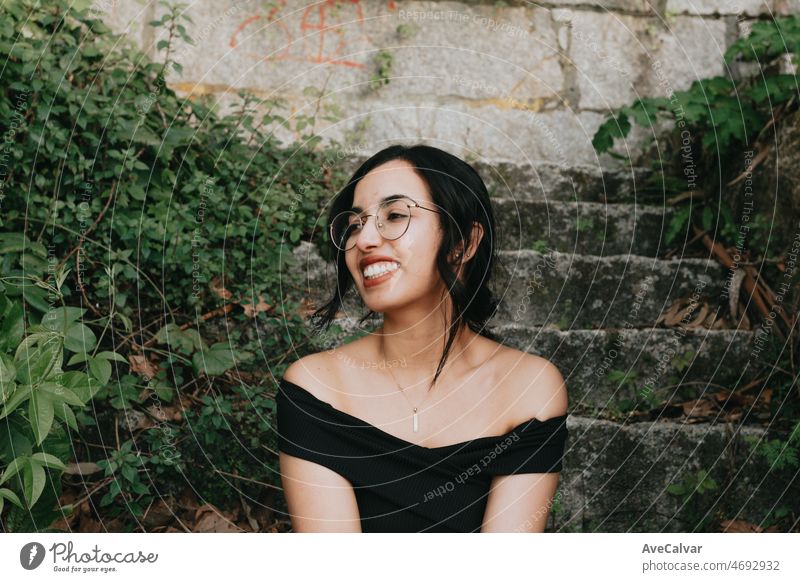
x=11, y=496
x=33, y=366
x=21, y=395
x=100, y=369
x=81, y=384
x=40, y=411
x=215, y=360
x=618, y=126
x=14, y=242
x=59, y=393
x=77, y=359
x=183, y=340
x=80, y=338
x=48, y=460
x=164, y=392
x=129, y=473
x=64, y=412
x=708, y=217
x=61, y=318
x=12, y=326
x=13, y=468
x=33, y=478
x=7, y=370
x=677, y=222
x=112, y=356
x=676, y=489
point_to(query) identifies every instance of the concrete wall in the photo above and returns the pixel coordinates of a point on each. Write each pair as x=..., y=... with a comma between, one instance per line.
x=497, y=81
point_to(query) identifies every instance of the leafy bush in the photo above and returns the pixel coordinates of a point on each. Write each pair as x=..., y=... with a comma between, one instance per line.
x=709, y=123
x=36, y=393
x=147, y=216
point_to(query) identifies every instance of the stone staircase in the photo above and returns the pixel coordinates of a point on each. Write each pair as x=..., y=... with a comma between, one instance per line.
x=581, y=283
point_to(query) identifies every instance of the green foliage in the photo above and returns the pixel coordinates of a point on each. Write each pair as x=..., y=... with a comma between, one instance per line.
x=691, y=492
x=125, y=208
x=124, y=464
x=724, y=113
x=711, y=122
x=768, y=40
x=383, y=65
x=37, y=393
x=225, y=425
x=779, y=453
x=693, y=484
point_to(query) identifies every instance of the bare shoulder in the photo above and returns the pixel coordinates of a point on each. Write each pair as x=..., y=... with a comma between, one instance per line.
x=317, y=373
x=538, y=386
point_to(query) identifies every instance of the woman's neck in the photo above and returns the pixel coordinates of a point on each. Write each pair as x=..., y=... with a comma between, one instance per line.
x=414, y=351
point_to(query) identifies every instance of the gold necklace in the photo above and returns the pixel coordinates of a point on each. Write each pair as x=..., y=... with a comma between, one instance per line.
x=415, y=418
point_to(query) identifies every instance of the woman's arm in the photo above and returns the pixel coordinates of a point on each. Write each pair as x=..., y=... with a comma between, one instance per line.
x=521, y=502
x=319, y=499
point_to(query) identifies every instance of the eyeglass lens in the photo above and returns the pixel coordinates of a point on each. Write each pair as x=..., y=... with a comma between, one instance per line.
x=392, y=221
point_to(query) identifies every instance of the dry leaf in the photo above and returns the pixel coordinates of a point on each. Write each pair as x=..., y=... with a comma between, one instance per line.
x=251, y=310
x=81, y=468
x=209, y=519
x=219, y=289
x=307, y=307
x=158, y=514
x=248, y=513
x=142, y=366
x=740, y=526
x=699, y=409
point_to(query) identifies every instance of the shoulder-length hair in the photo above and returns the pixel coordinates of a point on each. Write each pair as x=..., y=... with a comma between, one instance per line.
x=462, y=198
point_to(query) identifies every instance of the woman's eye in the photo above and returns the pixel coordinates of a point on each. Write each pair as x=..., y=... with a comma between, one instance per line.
x=395, y=215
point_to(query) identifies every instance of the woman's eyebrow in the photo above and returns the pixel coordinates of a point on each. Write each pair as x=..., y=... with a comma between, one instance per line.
x=384, y=199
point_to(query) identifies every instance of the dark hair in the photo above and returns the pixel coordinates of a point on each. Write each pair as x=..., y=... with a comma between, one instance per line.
x=461, y=195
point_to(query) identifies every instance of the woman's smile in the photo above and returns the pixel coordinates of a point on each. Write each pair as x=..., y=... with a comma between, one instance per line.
x=372, y=282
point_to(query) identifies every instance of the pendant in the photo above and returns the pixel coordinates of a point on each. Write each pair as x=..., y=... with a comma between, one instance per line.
x=416, y=422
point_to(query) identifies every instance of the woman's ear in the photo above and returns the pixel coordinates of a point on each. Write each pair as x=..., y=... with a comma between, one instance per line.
x=477, y=236
x=458, y=256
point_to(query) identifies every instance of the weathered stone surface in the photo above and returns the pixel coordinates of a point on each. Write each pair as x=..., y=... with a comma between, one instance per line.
x=615, y=477
x=620, y=58
x=654, y=360
x=733, y=7
x=547, y=181
x=582, y=291
x=588, y=228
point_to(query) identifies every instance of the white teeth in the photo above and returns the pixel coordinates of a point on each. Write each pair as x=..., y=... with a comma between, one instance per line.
x=378, y=269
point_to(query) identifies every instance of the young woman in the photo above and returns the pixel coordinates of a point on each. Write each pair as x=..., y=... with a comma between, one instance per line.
x=427, y=423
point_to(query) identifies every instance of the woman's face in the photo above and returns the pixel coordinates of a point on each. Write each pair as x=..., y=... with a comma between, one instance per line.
x=416, y=279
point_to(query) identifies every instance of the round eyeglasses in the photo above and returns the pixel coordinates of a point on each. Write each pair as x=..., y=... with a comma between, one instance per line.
x=392, y=220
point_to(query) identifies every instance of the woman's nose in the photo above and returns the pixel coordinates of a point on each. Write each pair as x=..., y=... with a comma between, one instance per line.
x=369, y=235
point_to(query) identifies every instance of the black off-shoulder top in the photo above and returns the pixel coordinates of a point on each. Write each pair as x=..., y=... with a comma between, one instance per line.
x=404, y=487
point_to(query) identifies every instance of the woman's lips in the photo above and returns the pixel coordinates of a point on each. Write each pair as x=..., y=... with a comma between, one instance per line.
x=378, y=280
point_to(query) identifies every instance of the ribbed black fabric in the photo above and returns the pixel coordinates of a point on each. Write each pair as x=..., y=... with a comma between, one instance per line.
x=404, y=487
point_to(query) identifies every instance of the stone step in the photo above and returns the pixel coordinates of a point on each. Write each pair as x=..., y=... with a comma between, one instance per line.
x=581, y=291
x=551, y=181
x=615, y=477
x=588, y=228
x=605, y=368
x=561, y=289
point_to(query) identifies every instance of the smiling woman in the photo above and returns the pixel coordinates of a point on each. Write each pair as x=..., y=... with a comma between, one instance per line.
x=468, y=434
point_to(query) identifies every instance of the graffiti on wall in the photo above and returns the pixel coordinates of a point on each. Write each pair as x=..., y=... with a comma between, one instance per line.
x=325, y=32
